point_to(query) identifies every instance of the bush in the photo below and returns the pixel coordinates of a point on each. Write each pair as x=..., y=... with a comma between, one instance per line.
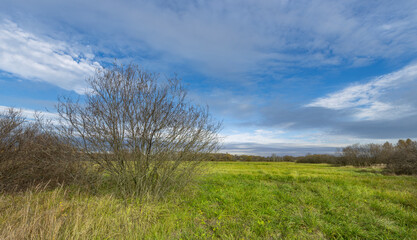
x=398, y=159
x=404, y=159
x=140, y=129
x=362, y=155
x=32, y=154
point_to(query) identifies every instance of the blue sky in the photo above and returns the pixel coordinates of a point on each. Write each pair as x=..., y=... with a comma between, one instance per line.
x=286, y=77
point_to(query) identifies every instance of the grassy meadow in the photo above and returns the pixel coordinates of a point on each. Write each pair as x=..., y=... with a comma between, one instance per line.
x=231, y=200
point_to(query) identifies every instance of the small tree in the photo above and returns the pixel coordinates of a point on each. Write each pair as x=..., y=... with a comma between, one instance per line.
x=140, y=129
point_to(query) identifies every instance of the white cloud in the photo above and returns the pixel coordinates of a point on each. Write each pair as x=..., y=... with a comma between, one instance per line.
x=260, y=136
x=373, y=100
x=41, y=59
x=228, y=38
x=277, y=136
x=30, y=113
x=267, y=141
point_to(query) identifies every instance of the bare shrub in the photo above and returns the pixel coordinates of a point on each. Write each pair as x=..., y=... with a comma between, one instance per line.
x=140, y=129
x=363, y=155
x=404, y=159
x=31, y=154
x=398, y=159
x=11, y=129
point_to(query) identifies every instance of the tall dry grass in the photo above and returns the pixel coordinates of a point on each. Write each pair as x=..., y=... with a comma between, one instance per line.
x=64, y=214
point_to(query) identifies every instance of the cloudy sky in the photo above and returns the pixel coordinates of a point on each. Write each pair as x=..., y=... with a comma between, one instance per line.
x=286, y=77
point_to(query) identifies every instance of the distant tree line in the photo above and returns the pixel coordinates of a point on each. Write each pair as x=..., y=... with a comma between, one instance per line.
x=399, y=158
x=309, y=158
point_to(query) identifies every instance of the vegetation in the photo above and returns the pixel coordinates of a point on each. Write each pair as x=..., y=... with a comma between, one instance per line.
x=309, y=158
x=139, y=129
x=232, y=200
x=32, y=154
x=226, y=157
x=403, y=158
x=107, y=171
x=319, y=158
x=398, y=159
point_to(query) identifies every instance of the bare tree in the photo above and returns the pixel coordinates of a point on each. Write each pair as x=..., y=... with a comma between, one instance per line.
x=403, y=160
x=139, y=128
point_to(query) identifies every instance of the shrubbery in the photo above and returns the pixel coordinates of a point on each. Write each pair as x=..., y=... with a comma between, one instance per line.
x=32, y=154
x=140, y=129
x=403, y=160
x=144, y=133
x=365, y=154
x=399, y=159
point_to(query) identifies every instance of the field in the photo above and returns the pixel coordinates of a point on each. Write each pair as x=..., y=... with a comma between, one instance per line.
x=231, y=200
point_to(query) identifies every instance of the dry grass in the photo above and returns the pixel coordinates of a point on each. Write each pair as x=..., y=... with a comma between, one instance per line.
x=64, y=214
x=231, y=201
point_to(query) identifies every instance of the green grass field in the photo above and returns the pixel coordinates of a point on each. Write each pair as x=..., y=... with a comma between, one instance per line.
x=232, y=200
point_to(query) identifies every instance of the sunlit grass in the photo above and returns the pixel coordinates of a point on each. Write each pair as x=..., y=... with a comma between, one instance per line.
x=230, y=201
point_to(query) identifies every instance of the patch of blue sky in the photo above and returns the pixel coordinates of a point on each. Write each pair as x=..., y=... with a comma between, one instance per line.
x=306, y=70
